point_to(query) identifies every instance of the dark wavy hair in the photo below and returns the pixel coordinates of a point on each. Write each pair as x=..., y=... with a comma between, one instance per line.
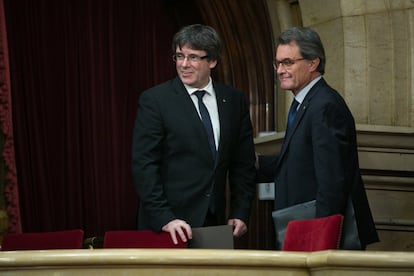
x=199, y=37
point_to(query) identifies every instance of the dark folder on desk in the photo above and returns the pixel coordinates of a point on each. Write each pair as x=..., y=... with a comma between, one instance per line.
x=212, y=237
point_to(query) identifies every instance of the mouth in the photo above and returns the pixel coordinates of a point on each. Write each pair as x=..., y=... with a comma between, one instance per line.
x=186, y=74
x=283, y=77
x=284, y=81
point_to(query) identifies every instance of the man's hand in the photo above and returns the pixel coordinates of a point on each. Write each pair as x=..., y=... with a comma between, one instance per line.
x=178, y=228
x=239, y=227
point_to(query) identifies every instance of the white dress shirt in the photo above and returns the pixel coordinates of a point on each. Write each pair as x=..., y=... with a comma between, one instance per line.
x=210, y=102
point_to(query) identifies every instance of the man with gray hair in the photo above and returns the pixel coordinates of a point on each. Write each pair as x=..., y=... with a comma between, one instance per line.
x=319, y=157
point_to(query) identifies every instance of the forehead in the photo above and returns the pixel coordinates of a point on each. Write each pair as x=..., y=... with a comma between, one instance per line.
x=187, y=49
x=290, y=50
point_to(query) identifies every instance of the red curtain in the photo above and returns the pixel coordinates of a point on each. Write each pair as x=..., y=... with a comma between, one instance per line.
x=9, y=201
x=77, y=68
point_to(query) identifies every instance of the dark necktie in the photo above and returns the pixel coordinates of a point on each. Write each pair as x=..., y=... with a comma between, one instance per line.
x=292, y=112
x=205, y=118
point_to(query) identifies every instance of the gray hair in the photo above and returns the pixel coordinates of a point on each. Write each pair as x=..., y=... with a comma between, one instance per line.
x=199, y=37
x=309, y=42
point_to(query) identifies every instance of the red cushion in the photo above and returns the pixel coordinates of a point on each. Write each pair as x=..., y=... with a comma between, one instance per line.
x=67, y=239
x=140, y=239
x=313, y=234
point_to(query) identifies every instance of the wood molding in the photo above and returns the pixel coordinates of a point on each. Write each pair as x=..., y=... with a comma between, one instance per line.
x=246, y=34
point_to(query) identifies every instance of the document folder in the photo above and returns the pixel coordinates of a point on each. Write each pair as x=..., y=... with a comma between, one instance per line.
x=212, y=237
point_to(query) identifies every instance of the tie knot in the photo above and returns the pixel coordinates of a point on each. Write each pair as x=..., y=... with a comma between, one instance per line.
x=295, y=103
x=200, y=94
x=292, y=112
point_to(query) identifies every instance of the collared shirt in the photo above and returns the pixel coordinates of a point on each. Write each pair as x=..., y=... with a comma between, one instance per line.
x=302, y=94
x=210, y=101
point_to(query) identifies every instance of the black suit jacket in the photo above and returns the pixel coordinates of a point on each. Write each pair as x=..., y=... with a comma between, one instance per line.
x=173, y=168
x=319, y=160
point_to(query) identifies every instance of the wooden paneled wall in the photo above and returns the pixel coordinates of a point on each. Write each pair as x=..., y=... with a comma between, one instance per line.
x=248, y=53
x=386, y=156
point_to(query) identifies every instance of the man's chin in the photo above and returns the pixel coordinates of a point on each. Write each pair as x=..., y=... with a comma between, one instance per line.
x=187, y=81
x=285, y=87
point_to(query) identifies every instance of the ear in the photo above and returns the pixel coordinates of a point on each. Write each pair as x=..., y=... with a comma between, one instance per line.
x=212, y=63
x=314, y=63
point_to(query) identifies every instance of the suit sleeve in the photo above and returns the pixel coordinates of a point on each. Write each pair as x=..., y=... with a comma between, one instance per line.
x=242, y=171
x=267, y=168
x=146, y=162
x=331, y=142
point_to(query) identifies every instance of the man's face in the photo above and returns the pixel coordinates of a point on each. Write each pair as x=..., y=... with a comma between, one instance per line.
x=294, y=72
x=194, y=73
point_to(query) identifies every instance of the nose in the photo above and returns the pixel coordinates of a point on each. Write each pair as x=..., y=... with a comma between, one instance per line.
x=276, y=66
x=185, y=61
x=280, y=68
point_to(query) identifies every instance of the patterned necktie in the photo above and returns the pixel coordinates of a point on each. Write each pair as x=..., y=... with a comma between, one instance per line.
x=292, y=113
x=205, y=118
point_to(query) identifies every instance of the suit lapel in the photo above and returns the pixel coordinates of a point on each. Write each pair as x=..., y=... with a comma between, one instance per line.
x=186, y=105
x=298, y=118
x=223, y=107
x=189, y=111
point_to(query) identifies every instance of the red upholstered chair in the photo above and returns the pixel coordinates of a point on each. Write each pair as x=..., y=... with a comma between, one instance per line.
x=313, y=234
x=67, y=239
x=140, y=239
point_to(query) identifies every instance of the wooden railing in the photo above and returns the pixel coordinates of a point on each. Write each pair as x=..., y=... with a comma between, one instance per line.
x=204, y=262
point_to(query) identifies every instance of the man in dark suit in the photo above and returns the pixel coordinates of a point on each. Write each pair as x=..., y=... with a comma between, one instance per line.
x=319, y=158
x=180, y=166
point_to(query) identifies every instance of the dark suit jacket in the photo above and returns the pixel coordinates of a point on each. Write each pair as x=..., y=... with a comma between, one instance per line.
x=319, y=160
x=173, y=168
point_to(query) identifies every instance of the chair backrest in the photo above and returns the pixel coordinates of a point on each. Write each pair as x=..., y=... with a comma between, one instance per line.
x=140, y=239
x=66, y=239
x=313, y=234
